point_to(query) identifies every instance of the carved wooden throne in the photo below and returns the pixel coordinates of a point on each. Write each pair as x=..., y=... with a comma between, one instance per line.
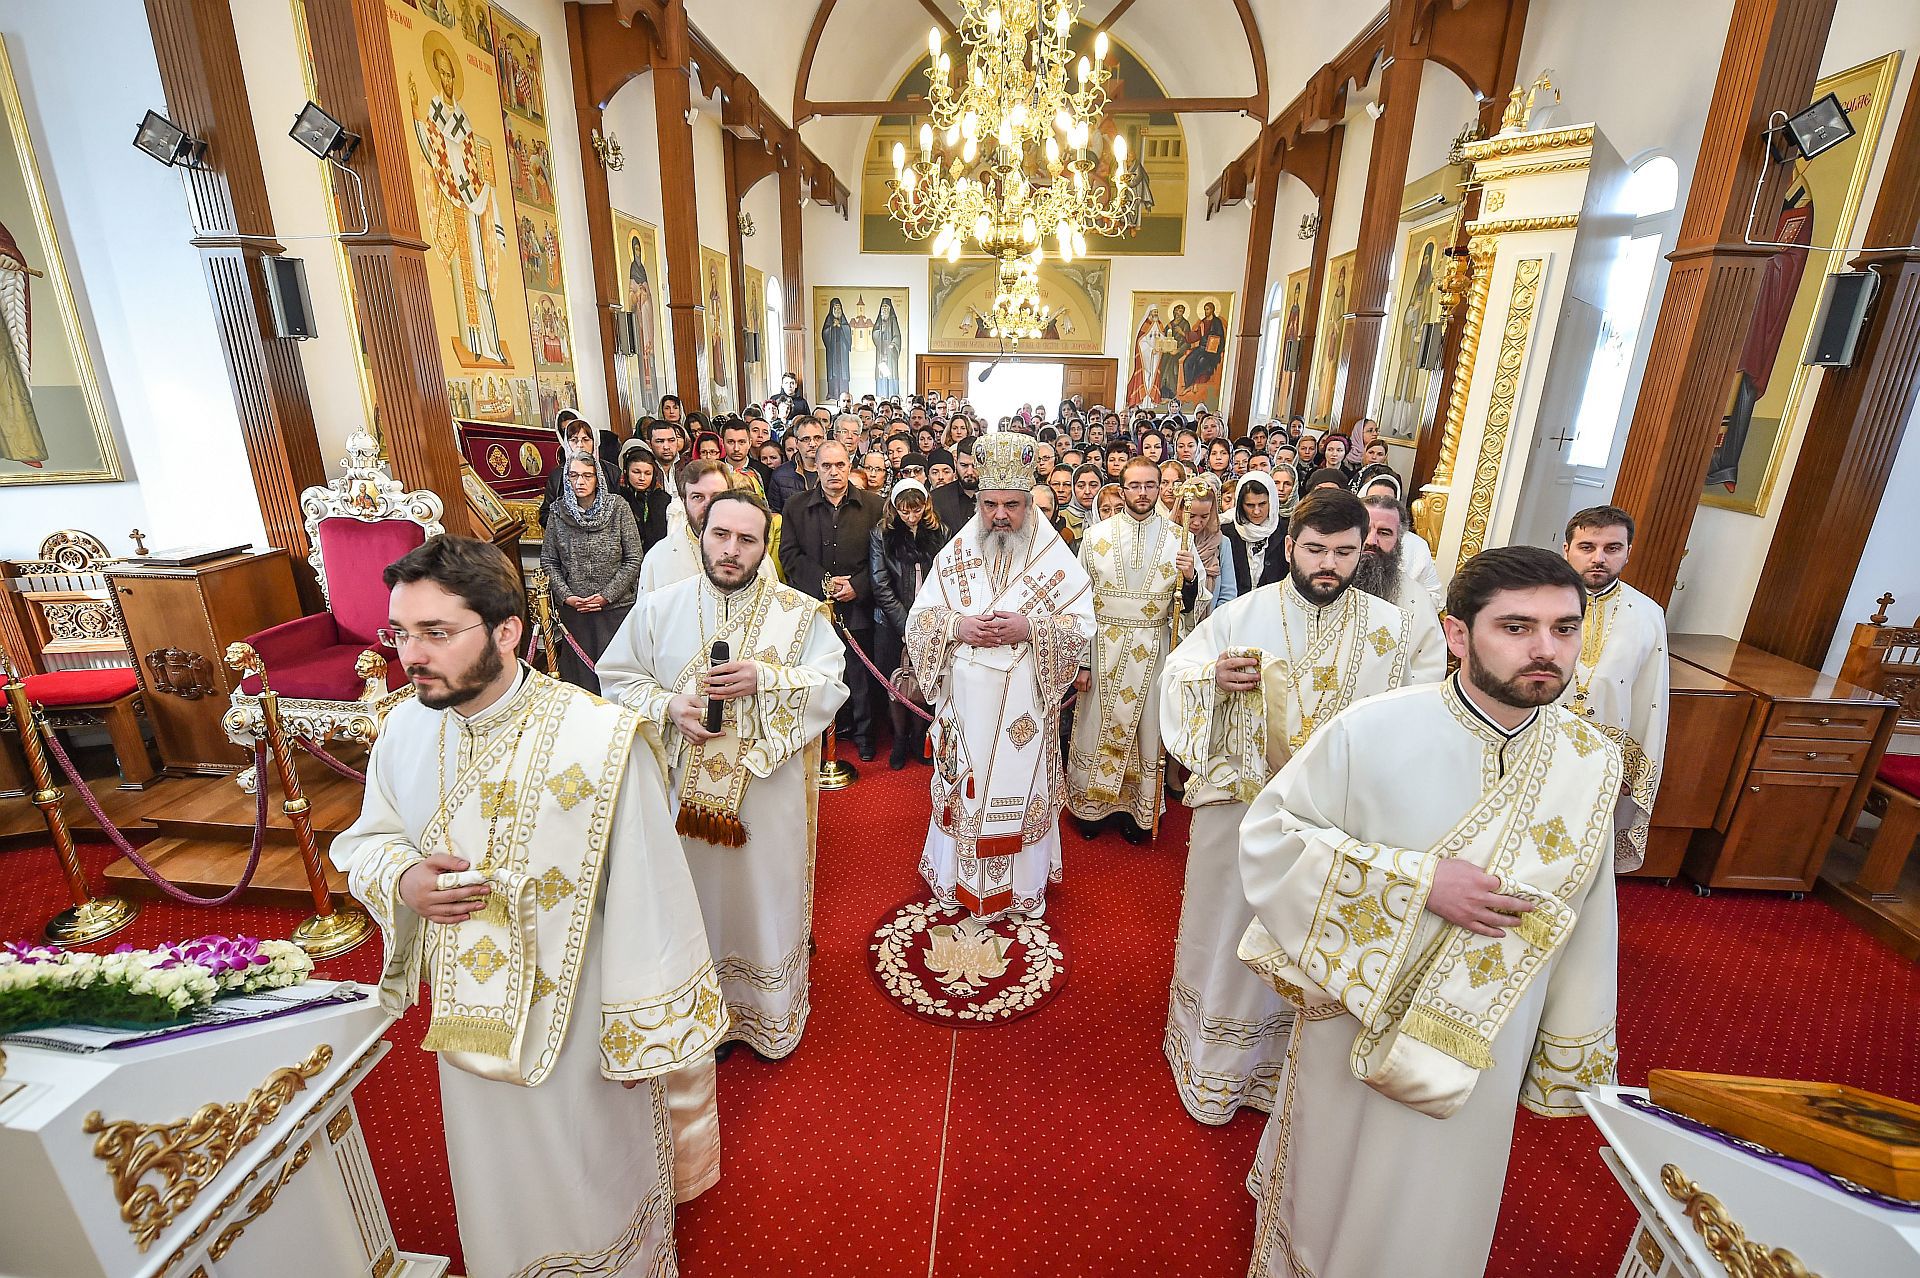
x=334, y=680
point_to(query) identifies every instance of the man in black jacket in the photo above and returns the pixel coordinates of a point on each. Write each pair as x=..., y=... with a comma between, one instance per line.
x=796, y=475
x=955, y=503
x=825, y=535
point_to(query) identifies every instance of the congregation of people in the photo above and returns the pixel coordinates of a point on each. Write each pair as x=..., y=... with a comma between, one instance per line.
x=1074, y=619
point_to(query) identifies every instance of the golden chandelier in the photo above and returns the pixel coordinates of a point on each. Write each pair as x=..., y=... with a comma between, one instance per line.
x=1010, y=154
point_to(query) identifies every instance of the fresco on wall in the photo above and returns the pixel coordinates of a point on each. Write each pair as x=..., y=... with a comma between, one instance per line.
x=643, y=291
x=1156, y=148
x=860, y=342
x=960, y=296
x=1818, y=205
x=1295, y=310
x=53, y=422
x=716, y=296
x=1178, y=348
x=1330, y=344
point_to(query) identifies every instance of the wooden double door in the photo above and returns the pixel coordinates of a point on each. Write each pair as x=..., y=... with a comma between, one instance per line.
x=1094, y=378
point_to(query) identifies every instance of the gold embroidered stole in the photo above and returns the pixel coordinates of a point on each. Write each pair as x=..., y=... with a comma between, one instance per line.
x=533, y=810
x=771, y=627
x=1129, y=638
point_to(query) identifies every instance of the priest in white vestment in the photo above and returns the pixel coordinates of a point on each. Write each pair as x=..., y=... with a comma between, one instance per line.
x=1384, y=573
x=1242, y=693
x=996, y=635
x=508, y=819
x=676, y=556
x=745, y=796
x=1433, y=882
x=1620, y=682
x=1144, y=576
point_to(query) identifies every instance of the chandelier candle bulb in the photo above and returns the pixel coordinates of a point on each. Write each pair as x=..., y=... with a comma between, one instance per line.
x=1100, y=46
x=933, y=42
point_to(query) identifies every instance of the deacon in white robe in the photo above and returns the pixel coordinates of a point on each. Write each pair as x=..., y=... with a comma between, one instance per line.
x=1139, y=563
x=676, y=556
x=1433, y=880
x=507, y=818
x=1305, y=649
x=1385, y=572
x=996, y=635
x=1620, y=682
x=746, y=799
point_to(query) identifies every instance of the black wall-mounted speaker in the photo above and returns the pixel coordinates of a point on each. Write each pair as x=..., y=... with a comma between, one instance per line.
x=292, y=304
x=626, y=333
x=1842, y=313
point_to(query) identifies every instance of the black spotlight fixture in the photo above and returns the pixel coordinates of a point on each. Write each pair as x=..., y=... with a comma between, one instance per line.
x=323, y=135
x=167, y=142
x=1820, y=127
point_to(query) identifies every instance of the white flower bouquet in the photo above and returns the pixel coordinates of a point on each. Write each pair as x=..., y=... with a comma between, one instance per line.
x=43, y=985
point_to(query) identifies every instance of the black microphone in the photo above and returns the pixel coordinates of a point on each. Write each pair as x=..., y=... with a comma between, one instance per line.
x=987, y=372
x=718, y=655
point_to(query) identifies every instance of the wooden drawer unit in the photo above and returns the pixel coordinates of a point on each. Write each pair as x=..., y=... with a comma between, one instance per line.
x=1803, y=771
x=179, y=622
x=1707, y=721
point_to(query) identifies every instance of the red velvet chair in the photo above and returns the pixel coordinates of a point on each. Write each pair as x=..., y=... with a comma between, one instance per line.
x=333, y=678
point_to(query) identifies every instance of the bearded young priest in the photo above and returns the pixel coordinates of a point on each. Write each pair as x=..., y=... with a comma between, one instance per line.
x=1383, y=572
x=745, y=792
x=1432, y=878
x=1241, y=694
x=508, y=817
x=997, y=634
x=1620, y=681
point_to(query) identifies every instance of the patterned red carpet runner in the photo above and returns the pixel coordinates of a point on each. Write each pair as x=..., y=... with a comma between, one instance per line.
x=1053, y=1145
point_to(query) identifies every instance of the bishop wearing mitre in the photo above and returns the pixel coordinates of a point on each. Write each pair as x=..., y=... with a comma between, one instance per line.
x=1432, y=875
x=1241, y=695
x=1144, y=576
x=742, y=726
x=515, y=846
x=1620, y=681
x=997, y=634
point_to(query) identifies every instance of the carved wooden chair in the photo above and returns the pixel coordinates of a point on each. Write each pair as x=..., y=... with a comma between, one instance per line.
x=1886, y=659
x=61, y=631
x=333, y=679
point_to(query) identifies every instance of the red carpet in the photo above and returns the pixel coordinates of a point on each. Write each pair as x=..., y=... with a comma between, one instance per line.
x=1054, y=1146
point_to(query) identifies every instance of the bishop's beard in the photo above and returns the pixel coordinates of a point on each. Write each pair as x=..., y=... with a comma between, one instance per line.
x=1006, y=551
x=1379, y=574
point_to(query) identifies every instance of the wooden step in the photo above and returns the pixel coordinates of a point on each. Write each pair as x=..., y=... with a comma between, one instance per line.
x=208, y=867
x=217, y=808
x=21, y=824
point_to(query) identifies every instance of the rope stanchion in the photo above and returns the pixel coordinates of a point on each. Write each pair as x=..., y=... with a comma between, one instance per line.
x=894, y=692
x=334, y=765
x=140, y=863
x=578, y=651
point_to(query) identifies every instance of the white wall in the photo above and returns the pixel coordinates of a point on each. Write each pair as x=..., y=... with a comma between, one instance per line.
x=87, y=74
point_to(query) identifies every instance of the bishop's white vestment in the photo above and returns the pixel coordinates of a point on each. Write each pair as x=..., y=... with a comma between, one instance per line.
x=1226, y=1030
x=676, y=557
x=746, y=803
x=1403, y=1019
x=539, y=1004
x=998, y=787
x=1620, y=685
x=1114, y=763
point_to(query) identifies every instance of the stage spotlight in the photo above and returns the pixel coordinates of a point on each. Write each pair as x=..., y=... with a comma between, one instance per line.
x=321, y=134
x=167, y=142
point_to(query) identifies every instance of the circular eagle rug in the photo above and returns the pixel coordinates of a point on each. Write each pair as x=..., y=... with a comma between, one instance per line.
x=948, y=967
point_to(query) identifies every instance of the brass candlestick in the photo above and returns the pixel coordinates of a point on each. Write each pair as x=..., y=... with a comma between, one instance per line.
x=834, y=774
x=91, y=918
x=329, y=931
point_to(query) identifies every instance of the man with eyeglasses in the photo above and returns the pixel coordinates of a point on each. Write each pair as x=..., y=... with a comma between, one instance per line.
x=508, y=818
x=799, y=472
x=1139, y=564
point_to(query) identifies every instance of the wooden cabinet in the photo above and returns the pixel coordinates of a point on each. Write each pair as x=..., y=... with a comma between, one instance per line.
x=179, y=622
x=1707, y=720
x=1802, y=769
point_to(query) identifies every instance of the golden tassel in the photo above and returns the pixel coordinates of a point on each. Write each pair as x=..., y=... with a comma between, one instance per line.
x=709, y=825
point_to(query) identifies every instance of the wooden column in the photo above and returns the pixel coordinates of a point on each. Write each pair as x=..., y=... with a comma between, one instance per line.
x=1380, y=221
x=736, y=262
x=353, y=74
x=793, y=275
x=680, y=226
x=1771, y=58
x=199, y=60
x=1315, y=159
x=1858, y=420
x=1253, y=307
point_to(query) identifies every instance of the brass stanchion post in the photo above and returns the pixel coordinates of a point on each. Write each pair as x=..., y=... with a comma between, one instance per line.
x=330, y=930
x=834, y=774
x=541, y=592
x=91, y=918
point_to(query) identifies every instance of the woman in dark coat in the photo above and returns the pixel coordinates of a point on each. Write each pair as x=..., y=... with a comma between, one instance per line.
x=900, y=556
x=643, y=492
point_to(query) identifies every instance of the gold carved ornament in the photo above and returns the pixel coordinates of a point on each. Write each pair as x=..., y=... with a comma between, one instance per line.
x=1726, y=1242
x=1430, y=511
x=186, y=1155
x=258, y=1205
x=1506, y=386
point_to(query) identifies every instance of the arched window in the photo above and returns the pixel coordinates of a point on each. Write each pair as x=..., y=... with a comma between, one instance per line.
x=773, y=337
x=1264, y=379
x=1651, y=195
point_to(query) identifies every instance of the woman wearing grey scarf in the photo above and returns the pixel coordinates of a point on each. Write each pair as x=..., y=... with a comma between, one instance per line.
x=591, y=554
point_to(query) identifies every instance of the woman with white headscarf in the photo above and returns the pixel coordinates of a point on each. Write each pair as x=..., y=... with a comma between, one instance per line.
x=591, y=554
x=1253, y=552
